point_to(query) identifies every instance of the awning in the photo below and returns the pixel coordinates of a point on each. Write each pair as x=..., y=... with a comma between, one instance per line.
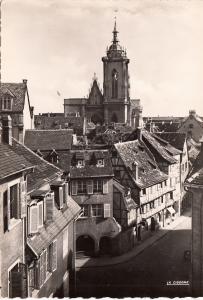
x=171, y=210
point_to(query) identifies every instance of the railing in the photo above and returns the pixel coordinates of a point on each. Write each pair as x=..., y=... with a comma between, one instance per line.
x=153, y=211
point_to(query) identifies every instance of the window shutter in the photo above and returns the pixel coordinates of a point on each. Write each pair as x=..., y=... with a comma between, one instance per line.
x=65, y=189
x=107, y=212
x=23, y=200
x=54, y=256
x=90, y=186
x=74, y=187
x=33, y=218
x=49, y=208
x=42, y=268
x=40, y=214
x=105, y=186
x=60, y=197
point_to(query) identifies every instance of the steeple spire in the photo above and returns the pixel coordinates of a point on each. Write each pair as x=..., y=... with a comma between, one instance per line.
x=115, y=32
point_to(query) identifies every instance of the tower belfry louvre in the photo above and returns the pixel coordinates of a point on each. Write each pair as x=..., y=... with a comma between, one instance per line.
x=113, y=105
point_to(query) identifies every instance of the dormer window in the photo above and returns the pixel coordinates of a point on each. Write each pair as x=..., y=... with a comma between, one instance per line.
x=80, y=163
x=53, y=157
x=100, y=163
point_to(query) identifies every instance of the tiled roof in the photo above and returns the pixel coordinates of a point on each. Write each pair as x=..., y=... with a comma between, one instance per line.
x=136, y=152
x=48, y=233
x=169, y=148
x=90, y=169
x=154, y=146
x=12, y=162
x=128, y=201
x=44, y=172
x=167, y=126
x=176, y=139
x=18, y=90
x=48, y=139
x=55, y=121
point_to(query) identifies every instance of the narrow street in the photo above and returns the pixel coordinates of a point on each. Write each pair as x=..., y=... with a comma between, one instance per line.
x=147, y=274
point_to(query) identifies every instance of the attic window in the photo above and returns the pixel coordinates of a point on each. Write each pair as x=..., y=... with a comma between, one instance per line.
x=53, y=157
x=6, y=102
x=100, y=162
x=80, y=163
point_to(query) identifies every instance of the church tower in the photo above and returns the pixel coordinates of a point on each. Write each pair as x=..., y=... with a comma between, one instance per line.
x=116, y=83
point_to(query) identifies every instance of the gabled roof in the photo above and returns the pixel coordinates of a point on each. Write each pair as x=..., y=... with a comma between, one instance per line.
x=95, y=91
x=176, y=139
x=18, y=90
x=136, y=152
x=12, y=162
x=164, y=126
x=44, y=171
x=153, y=144
x=48, y=139
x=169, y=148
x=48, y=233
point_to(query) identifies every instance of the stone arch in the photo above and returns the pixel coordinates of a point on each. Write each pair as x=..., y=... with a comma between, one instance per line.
x=86, y=244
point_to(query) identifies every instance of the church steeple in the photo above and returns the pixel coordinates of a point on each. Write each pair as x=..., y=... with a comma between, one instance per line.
x=115, y=50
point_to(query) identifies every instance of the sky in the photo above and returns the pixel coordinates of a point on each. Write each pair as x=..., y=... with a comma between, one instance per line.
x=57, y=45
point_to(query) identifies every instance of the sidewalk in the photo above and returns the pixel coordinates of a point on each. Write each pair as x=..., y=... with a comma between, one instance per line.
x=88, y=262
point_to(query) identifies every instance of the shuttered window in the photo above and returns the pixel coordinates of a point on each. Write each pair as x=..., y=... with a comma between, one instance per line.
x=49, y=207
x=74, y=186
x=14, y=202
x=40, y=214
x=107, y=212
x=33, y=219
x=105, y=186
x=18, y=281
x=90, y=186
x=98, y=186
x=97, y=210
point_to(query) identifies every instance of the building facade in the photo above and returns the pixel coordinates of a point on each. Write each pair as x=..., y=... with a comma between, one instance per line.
x=114, y=104
x=15, y=102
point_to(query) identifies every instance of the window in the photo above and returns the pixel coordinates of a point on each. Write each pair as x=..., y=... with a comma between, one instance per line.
x=74, y=187
x=165, y=182
x=80, y=163
x=18, y=281
x=152, y=204
x=97, y=210
x=98, y=186
x=42, y=267
x=85, y=208
x=185, y=166
x=14, y=201
x=6, y=103
x=114, y=84
x=162, y=199
x=151, y=190
x=144, y=192
x=90, y=186
x=82, y=187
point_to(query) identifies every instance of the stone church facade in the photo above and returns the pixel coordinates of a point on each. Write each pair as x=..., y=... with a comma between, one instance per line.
x=113, y=105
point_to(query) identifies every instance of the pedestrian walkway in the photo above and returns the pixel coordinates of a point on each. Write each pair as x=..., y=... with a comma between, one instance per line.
x=88, y=262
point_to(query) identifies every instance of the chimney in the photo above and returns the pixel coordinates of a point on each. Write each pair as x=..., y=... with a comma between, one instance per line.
x=7, y=129
x=139, y=133
x=25, y=81
x=135, y=169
